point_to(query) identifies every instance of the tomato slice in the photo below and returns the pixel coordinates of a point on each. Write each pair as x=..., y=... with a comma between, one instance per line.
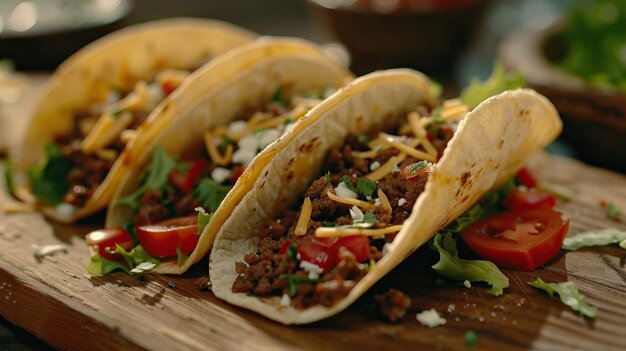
x=527, y=200
x=185, y=180
x=518, y=240
x=359, y=245
x=237, y=172
x=168, y=87
x=103, y=238
x=318, y=253
x=411, y=171
x=162, y=239
x=527, y=178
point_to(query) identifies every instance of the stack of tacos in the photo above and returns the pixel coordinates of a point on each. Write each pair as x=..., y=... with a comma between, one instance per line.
x=199, y=142
x=69, y=162
x=362, y=181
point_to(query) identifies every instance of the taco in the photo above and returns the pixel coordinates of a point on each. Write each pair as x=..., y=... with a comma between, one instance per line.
x=68, y=162
x=198, y=145
x=362, y=181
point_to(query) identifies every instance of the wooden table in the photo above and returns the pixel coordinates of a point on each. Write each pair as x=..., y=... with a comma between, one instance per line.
x=56, y=300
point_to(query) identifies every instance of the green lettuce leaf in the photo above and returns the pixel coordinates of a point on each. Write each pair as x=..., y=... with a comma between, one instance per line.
x=210, y=193
x=569, y=295
x=498, y=82
x=600, y=237
x=153, y=178
x=203, y=219
x=180, y=256
x=453, y=267
x=132, y=260
x=48, y=180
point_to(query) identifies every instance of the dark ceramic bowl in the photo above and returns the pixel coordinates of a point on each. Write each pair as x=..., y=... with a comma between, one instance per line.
x=425, y=35
x=594, y=120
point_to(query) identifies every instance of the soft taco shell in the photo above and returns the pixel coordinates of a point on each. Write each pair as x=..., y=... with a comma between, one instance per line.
x=213, y=96
x=117, y=60
x=491, y=143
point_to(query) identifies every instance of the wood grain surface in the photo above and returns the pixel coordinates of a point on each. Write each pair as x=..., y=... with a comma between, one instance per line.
x=56, y=300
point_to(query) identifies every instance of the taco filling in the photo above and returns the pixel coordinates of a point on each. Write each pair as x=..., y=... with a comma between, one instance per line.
x=175, y=198
x=78, y=162
x=315, y=252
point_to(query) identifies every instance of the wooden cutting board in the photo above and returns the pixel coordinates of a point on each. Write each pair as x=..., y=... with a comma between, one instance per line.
x=56, y=300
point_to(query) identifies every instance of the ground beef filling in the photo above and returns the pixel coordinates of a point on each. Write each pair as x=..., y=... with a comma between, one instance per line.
x=267, y=272
x=393, y=304
x=89, y=170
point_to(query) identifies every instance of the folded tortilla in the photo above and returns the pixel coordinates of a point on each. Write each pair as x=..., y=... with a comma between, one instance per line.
x=117, y=60
x=491, y=143
x=245, y=77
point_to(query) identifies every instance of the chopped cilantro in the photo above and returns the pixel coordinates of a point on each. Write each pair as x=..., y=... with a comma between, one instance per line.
x=48, y=180
x=203, y=219
x=293, y=281
x=453, y=267
x=277, y=96
x=348, y=183
x=569, y=295
x=365, y=186
x=292, y=252
x=328, y=224
x=471, y=339
x=180, y=256
x=415, y=167
x=613, y=212
x=153, y=178
x=117, y=112
x=226, y=140
x=369, y=218
x=129, y=226
x=433, y=125
x=210, y=193
x=288, y=121
x=327, y=177
x=362, y=138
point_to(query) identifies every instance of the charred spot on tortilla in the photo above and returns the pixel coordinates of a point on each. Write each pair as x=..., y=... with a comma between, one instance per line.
x=288, y=163
x=500, y=144
x=289, y=175
x=464, y=177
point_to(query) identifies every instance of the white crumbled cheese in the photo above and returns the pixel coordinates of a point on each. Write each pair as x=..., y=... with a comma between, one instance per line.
x=451, y=308
x=220, y=174
x=143, y=267
x=313, y=269
x=65, y=210
x=285, y=301
x=395, y=169
x=386, y=248
x=48, y=250
x=399, y=138
x=374, y=166
x=467, y=284
x=368, y=198
x=342, y=191
x=377, y=202
x=249, y=142
x=401, y=202
x=430, y=318
x=267, y=137
x=155, y=95
x=244, y=156
x=356, y=214
x=236, y=127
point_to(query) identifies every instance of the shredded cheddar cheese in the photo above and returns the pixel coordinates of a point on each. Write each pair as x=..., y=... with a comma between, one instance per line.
x=451, y=103
x=218, y=159
x=365, y=154
x=303, y=220
x=385, y=169
x=384, y=200
x=17, y=207
x=421, y=134
x=353, y=202
x=325, y=232
x=106, y=154
x=127, y=135
x=106, y=130
x=410, y=150
x=454, y=112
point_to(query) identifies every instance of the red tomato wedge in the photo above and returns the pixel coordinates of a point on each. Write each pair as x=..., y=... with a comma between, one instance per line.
x=323, y=251
x=527, y=178
x=162, y=239
x=527, y=200
x=518, y=240
x=414, y=170
x=103, y=238
x=185, y=180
